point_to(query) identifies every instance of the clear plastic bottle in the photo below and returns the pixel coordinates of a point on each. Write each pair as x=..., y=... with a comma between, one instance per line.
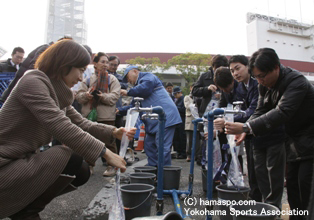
x=213, y=102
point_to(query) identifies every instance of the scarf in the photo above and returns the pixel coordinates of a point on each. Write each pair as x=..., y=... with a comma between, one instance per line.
x=101, y=84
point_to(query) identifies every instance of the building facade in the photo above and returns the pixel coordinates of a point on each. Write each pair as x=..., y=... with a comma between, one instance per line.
x=292, y=40
x=66, y=18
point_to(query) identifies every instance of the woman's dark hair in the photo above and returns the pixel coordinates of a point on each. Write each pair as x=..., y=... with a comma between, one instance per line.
x=218, y=61
x=114, y=58
x=98, y=55
x=223, y=77
x=265, y=59
x=59, y=58
x=239, y=59
x=89, y=50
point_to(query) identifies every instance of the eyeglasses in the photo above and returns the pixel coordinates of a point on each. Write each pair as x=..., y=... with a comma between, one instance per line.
x=114, y=65
x=261, y=76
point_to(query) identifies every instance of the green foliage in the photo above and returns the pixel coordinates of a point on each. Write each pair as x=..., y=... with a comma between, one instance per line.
x=152, y=65
x=190, y=66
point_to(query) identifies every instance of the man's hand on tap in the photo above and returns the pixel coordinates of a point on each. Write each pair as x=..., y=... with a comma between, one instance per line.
x=219, y=124
x=124, y=92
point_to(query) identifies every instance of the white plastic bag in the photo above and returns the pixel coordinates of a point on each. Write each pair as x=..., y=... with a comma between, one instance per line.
x=217, y=160
x=235, y=177
x=194, y=110
x=117, y=209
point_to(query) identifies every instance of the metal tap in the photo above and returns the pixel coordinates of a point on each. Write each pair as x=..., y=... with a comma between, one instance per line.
x=138, y=104
x=236, y=109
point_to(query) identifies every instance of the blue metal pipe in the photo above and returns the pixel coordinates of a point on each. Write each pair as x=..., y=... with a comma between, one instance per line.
x=179, y=192
x=191, y=177
x=210, y=117
x=177, y=203
x=162, y=119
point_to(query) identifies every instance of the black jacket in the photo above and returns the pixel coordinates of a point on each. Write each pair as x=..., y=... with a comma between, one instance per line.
x=289, y=103
x=200, y=89
x=6, y=67
x=27, y=64
x=181, y=108
x=248, y=96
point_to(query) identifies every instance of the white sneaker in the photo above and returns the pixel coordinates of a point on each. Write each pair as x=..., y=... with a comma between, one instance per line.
x=110, y=171
x=129, y=156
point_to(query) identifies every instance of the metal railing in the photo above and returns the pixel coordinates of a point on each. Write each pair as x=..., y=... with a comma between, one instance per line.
x=5, y=79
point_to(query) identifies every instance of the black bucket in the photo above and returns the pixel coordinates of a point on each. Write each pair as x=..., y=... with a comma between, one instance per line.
x=261, y=211
x=204, y=181
x=146, y=169
x=169, y=216
x=146, y=178
x=137, y=199
x=172, y=177
x=230, y=194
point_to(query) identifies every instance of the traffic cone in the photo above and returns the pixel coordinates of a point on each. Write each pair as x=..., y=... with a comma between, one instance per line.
x=140, y=142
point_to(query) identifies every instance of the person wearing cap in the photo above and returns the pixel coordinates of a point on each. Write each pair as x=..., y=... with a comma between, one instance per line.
x=169, y=88
x=179, y=141
x=149, y=87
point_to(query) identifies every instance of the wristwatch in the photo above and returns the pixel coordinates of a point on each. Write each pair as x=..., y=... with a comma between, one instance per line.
x=246, y=128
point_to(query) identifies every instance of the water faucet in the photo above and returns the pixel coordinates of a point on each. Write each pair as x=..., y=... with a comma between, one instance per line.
x=137, y=102
x=137, y=105
x=236, y=109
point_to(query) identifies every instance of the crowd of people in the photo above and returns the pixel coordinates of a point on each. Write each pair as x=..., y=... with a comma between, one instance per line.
x=80, y=108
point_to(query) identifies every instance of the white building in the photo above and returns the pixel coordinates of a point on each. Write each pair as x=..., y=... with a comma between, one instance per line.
x=66, y=18
x=291, y=39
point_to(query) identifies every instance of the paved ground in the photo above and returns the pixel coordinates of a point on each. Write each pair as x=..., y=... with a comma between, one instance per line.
x=92, y=201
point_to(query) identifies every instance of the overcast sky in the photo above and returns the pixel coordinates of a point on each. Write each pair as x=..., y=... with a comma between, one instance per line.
x=203, y=26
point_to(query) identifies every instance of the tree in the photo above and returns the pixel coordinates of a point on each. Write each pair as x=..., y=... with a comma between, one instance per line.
x=190, y=66
x=152, y=65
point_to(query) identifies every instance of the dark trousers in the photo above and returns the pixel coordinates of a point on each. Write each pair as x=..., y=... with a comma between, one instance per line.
x=76, y=173
x=270, y=167
x=255, y=193
x=189, y=142
x=311, y=206
x=78, y=168
x=118, y=123
x=299, y=179
x=179, y=140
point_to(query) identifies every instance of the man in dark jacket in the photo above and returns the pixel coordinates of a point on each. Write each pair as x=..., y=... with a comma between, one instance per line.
x=12, y=65
x=169, y=88
x=204, y=89
x=286, y=98
x=179, y=140
x=27, y=64
x=205, y=86
x=236, y=84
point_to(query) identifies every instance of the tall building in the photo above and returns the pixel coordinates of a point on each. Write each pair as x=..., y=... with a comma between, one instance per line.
x=66, y=18
x=292, y=40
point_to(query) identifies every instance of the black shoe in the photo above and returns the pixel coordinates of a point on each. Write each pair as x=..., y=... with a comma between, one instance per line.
x=181, y=157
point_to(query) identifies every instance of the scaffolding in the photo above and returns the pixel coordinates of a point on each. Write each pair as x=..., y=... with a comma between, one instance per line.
x=66, y=18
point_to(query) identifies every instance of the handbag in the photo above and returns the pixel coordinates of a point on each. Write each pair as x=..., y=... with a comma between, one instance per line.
x=92, y=116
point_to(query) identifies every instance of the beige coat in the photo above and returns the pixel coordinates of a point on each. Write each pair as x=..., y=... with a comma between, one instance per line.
x=37, y=110
x=188, y=116
x=106, y=109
